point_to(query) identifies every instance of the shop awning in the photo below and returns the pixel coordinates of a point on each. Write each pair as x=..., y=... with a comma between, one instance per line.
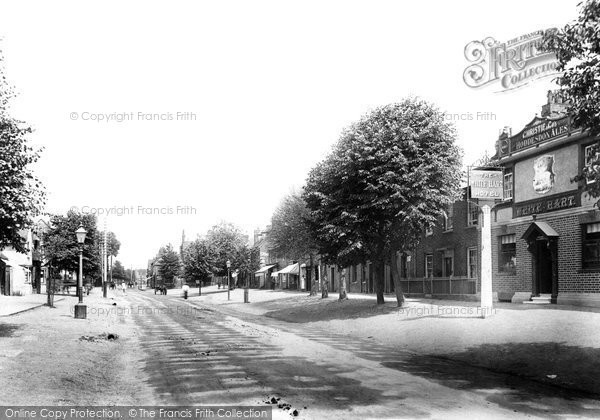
x=265, y=269
x=290, y=269
x=15, y=259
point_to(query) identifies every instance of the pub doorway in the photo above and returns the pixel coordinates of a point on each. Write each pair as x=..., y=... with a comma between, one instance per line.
x=542, y=241
x=543, y=260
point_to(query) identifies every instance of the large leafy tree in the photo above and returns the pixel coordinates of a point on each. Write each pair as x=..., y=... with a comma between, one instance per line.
x=247, y=262
x=227, y=243
x=169, y=263
x=577, y=48
x=291, y=233
x=21, y=192
x=112, y=244
x=61, y=248
x=197, y=260
x=119, y=271
x=388, y=178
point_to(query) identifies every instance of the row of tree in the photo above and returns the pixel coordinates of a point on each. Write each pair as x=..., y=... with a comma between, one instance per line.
x=207, y=256
x=61, y=250
x=391, y=174
x=387, y=179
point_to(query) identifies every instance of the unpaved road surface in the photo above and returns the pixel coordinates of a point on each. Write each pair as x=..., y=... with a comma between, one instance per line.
x=197, y=353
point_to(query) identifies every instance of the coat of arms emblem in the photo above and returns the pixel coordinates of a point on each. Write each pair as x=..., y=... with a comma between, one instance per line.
x=543, y=177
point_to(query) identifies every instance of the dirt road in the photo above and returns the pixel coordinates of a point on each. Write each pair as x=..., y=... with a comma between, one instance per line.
x=198, y=353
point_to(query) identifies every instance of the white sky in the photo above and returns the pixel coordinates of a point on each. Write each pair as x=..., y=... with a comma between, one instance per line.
x=272, y=85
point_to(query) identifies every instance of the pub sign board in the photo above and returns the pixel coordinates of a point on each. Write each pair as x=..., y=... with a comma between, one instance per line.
x=548, y=204
x=538, y=131
x=486, y=184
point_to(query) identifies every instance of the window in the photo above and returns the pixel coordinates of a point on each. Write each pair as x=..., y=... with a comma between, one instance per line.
x=590, y=156
x=473, y=215
x=404, y=266
x=472, y=263
x=448, y=217
x=508, y=185
x=428, y=265
x=448, y=267
x=591, y=245
x=507, y=257
x=354, y=274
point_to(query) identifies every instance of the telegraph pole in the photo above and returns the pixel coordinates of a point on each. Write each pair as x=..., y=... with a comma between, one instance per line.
x=104, y=267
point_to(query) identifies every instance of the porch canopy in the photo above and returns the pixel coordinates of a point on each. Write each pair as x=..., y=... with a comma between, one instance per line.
x=539, y=229
x=264, y=269
x=290, y=269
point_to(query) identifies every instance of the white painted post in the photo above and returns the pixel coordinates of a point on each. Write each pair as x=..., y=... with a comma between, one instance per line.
x=486, y=263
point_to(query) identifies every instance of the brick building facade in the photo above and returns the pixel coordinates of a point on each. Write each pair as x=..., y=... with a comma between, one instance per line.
x=546, y=232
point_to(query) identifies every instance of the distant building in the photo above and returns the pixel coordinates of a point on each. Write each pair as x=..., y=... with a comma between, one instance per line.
x=16, y=268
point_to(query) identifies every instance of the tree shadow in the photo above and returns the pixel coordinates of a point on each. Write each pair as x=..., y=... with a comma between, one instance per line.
x=7, y=330
x=213, y=362
x=511, y=375
x=511, y=385
x=313, y=309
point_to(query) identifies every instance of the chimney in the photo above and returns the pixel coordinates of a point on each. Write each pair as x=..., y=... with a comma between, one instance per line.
x=557, y=106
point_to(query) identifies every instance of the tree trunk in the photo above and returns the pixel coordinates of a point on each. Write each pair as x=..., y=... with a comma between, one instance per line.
x=379, y=280
x=325, y=286
x=313, y=283
x=343, y=293
x=50, y=288
x=396, y=278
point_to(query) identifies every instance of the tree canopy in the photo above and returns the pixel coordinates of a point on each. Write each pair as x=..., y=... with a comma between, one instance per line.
x=21, y=193
x=118, y=271
x=169, y=263
x=226, y=242
x=197, y=261
x=61, y=247
x=290, y=232
x=577, y=49
x=389, y=177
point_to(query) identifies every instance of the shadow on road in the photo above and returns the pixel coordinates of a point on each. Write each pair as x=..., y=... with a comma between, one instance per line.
x=7, y=330
x=208, y=361
x=490, y=369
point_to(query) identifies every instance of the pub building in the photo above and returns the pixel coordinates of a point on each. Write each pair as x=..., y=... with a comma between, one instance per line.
x=546, y=230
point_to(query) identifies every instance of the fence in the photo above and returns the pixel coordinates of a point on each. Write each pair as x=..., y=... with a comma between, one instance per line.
x=440, y=286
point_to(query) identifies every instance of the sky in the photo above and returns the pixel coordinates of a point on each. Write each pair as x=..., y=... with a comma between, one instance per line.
x=164, y=116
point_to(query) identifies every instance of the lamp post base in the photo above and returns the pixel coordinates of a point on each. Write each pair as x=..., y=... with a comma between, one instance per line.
x=80, y=311
x=246, y=299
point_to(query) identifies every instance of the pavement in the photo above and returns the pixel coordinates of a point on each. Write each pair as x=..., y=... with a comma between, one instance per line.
x=552, y=344
x=11, y=305
x=206, y=350
x=431, y=358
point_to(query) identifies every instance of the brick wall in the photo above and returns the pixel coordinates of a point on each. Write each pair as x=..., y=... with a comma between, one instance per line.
x=460, y=238
x=571, y=276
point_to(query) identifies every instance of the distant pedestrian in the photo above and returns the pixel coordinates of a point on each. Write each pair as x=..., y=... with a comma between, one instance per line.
x=124, y=287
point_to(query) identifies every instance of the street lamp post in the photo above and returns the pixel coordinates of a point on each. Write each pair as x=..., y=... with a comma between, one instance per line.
x=228, y=267
x=80, y=308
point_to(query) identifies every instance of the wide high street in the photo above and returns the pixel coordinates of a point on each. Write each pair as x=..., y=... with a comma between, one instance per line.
x=207, y=350
x=339, y=209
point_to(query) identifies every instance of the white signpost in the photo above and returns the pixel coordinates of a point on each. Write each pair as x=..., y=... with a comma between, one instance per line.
x=487, y=305
x=487, y=186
